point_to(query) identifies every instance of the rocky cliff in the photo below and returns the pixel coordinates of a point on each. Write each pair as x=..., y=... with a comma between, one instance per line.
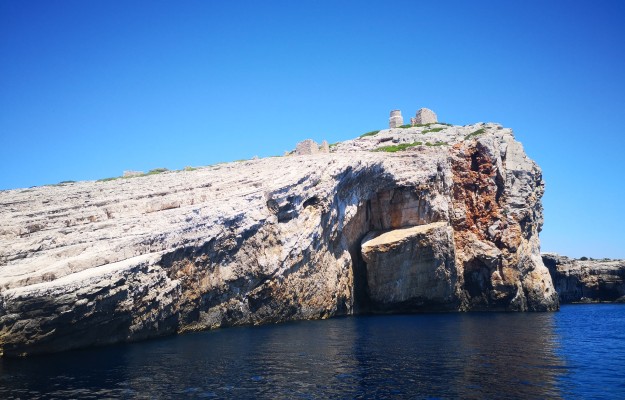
x=449, y=223
x=581, y=281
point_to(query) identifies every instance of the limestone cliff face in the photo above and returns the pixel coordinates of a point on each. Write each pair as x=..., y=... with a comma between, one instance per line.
x=579, y=281
x=276, y=239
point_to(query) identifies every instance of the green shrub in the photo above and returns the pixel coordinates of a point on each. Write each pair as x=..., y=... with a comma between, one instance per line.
x=156, y=171
x=372, y=133
x=108, y=179
x=476, y=133
x=405, y=126
x=435, y=144
x=189, y=168
x=61, y=183
x=397, y=147
x=433, y=130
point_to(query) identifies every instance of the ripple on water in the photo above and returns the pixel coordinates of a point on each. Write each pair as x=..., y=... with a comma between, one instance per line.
x=578, y=352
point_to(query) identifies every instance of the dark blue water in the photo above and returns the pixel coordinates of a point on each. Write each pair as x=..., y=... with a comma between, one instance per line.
x=576, y=353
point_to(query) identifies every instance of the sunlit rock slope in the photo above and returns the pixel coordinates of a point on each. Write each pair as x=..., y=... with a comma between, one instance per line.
x=277, y=239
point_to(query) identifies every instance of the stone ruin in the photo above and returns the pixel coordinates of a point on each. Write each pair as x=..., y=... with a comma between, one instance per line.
x=396, y=120
x=130, y=174
x=309, y=146
x=424, y=116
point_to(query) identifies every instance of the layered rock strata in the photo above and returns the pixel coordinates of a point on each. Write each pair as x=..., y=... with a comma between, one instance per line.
x=582, y=281
x=411, y=268
x=276, y=239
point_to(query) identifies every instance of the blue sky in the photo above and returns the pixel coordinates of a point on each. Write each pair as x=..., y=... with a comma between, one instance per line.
x=91, y=88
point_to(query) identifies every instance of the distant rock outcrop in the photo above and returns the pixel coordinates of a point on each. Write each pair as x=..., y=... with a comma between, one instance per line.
x=580, y=281
x=450, y=223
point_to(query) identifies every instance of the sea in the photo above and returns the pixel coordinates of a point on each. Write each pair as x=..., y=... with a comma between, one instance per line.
x=576, y=353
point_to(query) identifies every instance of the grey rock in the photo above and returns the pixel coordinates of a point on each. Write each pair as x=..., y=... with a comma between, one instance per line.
x=411, y=268
x=271, y=240
x=579, y=281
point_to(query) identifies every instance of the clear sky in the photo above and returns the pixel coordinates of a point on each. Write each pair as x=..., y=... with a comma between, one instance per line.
x=91, y=88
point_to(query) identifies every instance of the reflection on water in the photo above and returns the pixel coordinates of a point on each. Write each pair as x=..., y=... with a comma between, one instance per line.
x=479, y=355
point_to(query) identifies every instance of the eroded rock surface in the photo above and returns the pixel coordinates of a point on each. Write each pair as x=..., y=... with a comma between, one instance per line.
x=411, y=268
x=579, y=281
x=272, y=240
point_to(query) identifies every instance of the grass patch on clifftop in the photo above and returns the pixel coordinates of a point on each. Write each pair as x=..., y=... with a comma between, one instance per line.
x=156, y=171
x=433, y=130
x=476, y=133
x=372, y=133
x=397, y=147
x=427, y=125
x=435, y=144
x=109, y=179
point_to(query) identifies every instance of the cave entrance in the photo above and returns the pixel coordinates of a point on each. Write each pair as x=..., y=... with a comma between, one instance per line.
x=477, y=282
x=384, y=210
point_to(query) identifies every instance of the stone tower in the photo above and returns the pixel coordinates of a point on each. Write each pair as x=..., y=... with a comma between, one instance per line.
x=424, y=116
x=396, y=119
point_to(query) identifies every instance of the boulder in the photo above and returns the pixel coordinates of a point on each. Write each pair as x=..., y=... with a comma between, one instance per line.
x=411, y=268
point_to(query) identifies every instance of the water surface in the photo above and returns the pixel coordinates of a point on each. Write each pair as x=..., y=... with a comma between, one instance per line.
x=576, y=353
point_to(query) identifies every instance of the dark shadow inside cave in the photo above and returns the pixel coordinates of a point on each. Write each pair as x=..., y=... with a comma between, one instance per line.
x=385, y=210
x=477, y=281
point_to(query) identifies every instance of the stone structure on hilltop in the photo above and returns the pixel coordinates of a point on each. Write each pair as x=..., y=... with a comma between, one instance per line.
x=306, y=147
x=309, y=146
x=424, y=116
x=396, y=120
x=130, y=174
